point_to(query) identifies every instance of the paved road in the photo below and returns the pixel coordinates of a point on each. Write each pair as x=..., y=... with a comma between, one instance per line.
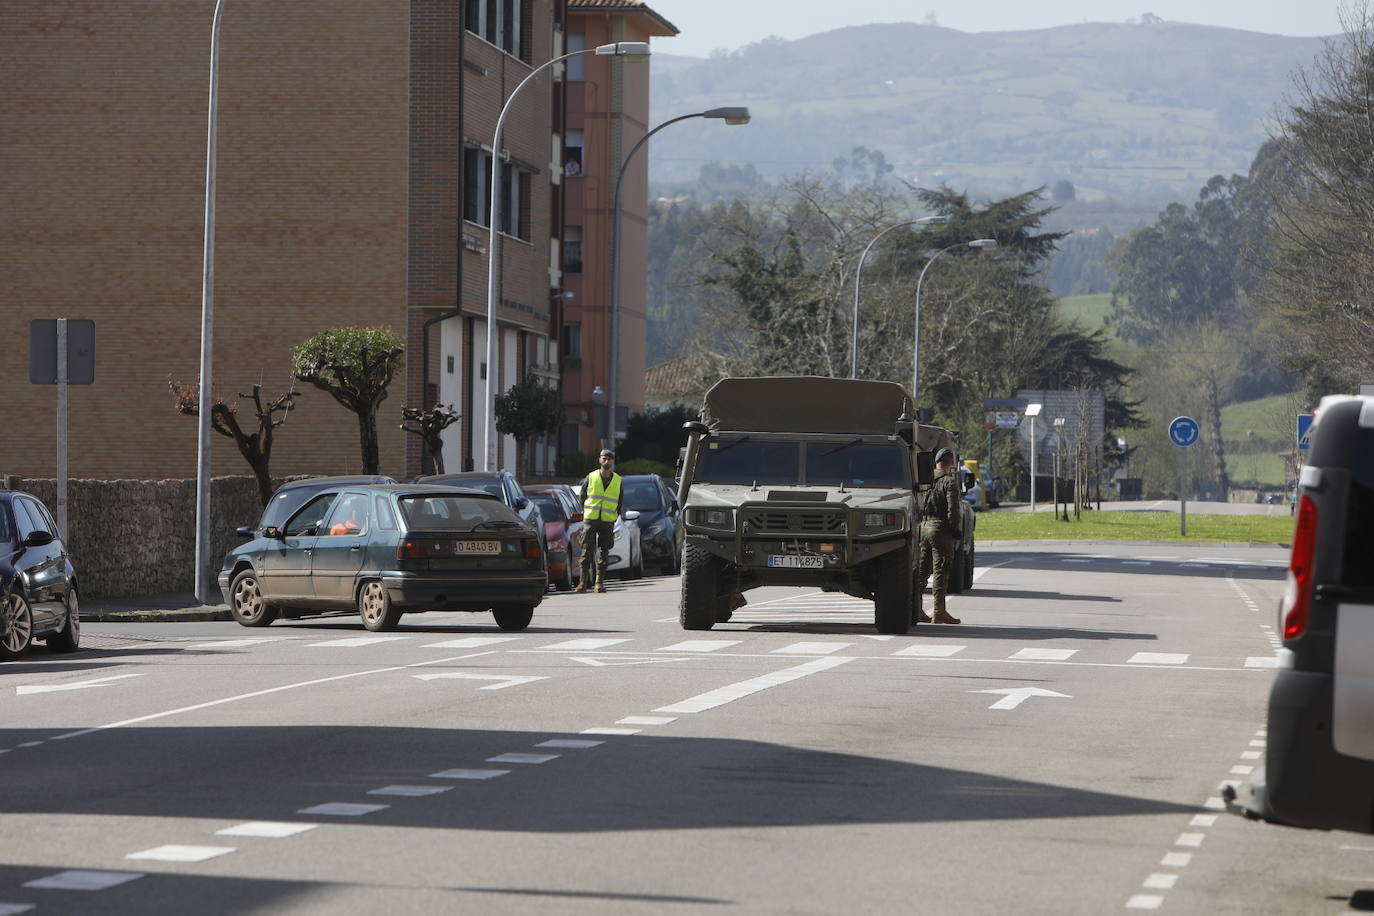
x=1060, y=752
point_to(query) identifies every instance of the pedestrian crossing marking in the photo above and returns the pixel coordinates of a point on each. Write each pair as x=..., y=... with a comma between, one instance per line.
x=930, y=651
x=1158, y=658
x=1044, y=655
x=355, y=642
x=812, y=648
x=1262, y=661
x=470, y=642
x=700, y=645
x=585, y=645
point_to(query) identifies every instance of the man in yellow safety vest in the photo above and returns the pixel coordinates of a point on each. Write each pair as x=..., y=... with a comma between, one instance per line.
x=600, y=496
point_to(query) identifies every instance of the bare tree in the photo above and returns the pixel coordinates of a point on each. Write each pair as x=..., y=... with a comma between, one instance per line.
x=428, y=425
x=255, y=447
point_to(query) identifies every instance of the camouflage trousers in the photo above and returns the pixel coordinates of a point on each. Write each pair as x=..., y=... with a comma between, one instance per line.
x=936, y=556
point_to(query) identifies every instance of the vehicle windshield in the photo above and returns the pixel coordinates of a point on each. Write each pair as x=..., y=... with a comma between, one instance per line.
x=748, y=461
x=643, y=496
x=548, y=506
x=439, y=513
x=856, y=464
x=285, y=504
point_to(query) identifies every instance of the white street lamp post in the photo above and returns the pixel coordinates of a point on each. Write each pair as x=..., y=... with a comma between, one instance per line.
x=858, y=277
x=1033, y=411
x=635, y=50
x=730, y=115
x=916, y=341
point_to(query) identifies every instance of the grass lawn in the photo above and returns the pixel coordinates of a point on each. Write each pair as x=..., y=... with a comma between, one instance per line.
x=1090, y=310
x=1133, y=526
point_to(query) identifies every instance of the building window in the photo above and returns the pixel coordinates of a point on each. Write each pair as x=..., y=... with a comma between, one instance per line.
x=515, y=190
x=577, y=66
x=572, y=249
x=572, y=340
x=572, y=153
x=498, y=21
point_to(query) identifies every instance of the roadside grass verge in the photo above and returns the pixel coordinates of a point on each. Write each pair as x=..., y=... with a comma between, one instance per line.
x=1133, y=526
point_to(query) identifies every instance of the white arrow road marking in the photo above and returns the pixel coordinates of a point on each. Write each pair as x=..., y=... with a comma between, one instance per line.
x=1015, y=696
x=79, y=685
x=614, y=662
x=505, y=680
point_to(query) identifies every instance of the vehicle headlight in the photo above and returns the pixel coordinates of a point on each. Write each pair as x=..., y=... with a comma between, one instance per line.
x=880, y=519
x=714, y=518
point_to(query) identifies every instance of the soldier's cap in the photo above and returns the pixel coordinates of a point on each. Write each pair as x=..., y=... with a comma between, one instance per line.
x=607, y=453
x=942, y=454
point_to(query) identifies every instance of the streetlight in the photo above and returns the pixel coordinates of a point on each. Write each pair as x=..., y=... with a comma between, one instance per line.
x=631, y=50
x=858, y=276
x=1033, y=411
x=732, y=115
x=916, y=342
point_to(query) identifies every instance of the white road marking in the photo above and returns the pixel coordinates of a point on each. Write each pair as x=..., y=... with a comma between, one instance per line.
x=610, y=731
x=1258, y=743
x=81, y=880
x=354, y=642
x=930, y=651
x=700, y=645
x=1158, y=658
x=1160, y=881
x=1215, y=803
x=409, y=791
x=1176, y=859
x=269, y=829
x=528, y=759
x=585, y=645
x=1262, y=661
x=1239, y=770
x=1203, y=820
x=1044, y=655
x=1194, y=565
x=1251, y=755
x=343, y=809
x=646, y=720
x=239, y=643
x=9, y=909
x=572, y=743
x=1189, y=839
x=468, y=774
x=1015, y=696
x=505, y=681
x=1136, y=563
x=1144, y=902
x=1075, y=560
x=618, y=662
x=175, y=853
x=721, y=696
x=470, y=642
x=25, y=690
x=812, y=648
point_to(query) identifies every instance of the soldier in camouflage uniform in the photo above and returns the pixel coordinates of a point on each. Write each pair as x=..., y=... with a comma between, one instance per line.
x=939, y=533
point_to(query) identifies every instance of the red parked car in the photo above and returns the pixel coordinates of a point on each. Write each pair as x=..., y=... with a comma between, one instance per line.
x=562, y=516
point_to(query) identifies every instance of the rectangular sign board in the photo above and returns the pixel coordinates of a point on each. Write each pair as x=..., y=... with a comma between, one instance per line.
x=43, y=351
x=1304, y=429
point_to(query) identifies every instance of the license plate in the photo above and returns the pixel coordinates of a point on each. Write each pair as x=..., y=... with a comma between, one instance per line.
x=791, y=562
x=483, y=547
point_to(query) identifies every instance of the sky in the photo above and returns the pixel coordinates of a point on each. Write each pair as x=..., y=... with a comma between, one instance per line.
x=706, y=25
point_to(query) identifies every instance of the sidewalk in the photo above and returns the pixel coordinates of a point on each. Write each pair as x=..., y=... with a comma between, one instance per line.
x=157, y=609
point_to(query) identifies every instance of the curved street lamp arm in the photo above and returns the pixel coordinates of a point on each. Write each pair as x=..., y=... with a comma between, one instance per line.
x=858, y=277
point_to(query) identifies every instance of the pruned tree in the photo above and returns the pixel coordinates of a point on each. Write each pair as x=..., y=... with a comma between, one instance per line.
x=528, y=410
x=428, y=425
x=354, y=366
x=255, y=447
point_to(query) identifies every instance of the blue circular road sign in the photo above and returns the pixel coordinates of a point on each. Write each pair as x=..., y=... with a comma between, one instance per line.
x=1183, y=431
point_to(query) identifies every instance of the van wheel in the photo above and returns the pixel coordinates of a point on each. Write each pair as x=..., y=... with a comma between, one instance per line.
x=513, y=618
x=893, y=602
x=702, y=603
x=374, y=606
x=246, y=602
x=68, y=639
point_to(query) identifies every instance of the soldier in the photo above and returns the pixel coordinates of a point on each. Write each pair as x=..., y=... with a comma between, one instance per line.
x=600, y=495
x=939, y=533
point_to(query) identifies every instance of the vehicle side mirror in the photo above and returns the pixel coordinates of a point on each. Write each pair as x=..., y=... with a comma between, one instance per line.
x=575, y=517
x=246, y=531
x=521, y=502
x=631, y=515
x=38, y=539
x=925, y=469
x=272, y=532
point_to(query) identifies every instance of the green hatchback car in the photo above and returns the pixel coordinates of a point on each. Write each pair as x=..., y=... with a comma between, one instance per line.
x=385, y=550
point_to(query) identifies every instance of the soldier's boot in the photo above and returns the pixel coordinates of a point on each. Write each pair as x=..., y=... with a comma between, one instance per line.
x=942, y=615
x=581, y=584
x=601, y=580
x=920, y=616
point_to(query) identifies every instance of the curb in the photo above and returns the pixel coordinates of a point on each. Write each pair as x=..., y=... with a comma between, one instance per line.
x=175, y=615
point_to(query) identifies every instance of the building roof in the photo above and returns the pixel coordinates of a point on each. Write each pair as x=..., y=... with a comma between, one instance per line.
x=684, y=378
x=622, y=6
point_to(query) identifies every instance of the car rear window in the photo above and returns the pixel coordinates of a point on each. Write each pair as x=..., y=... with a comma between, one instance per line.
x=1359, y=516
x=439, y=513
x=548, y=506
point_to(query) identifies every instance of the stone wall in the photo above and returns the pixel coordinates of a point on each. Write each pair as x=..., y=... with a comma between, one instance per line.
x=137, y=538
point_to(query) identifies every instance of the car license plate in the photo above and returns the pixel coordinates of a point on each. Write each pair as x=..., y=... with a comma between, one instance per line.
x=791, y=562
x=483, y=547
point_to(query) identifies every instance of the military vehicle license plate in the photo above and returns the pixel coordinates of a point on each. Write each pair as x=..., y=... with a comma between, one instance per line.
x=790, y=562
x=477, y=547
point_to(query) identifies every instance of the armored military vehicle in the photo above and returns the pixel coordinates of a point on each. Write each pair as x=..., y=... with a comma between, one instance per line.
x=801, y=481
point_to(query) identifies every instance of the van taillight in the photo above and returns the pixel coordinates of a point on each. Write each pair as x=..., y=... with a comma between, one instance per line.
x=1297, y=591
x=532, y=551
x=410, y=550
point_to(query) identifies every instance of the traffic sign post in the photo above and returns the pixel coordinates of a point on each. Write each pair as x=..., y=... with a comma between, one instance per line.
x=61, y=353
x=1304, y=431
x=1183, y=432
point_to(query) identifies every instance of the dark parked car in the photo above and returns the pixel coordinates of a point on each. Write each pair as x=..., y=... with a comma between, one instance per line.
x=562, y=517
x=501, y=484
x=37, y=580
x=660, y=521
x=387, y=550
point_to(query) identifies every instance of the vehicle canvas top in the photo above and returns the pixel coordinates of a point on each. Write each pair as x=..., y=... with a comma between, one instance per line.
x=805, y=404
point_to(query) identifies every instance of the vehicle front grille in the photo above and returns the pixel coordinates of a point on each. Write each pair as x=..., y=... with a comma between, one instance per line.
x=824, y=522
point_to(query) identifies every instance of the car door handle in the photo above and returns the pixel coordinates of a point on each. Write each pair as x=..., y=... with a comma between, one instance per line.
x=356, y=547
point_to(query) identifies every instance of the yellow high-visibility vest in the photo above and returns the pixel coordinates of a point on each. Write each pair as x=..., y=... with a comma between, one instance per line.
x=602, y=498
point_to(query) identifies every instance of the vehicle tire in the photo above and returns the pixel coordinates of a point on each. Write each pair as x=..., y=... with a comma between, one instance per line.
x=513, y=617
x=16, y=627
x=565, y=583
x=246, y=602
x=702, y=603
x=637, y=570
x=955, y=585
x=968, y=569
x=894, y=599
x=68, y=639
x=374, y=606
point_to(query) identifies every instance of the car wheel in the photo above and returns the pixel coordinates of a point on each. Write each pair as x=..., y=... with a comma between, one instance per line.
x=968, y=568
x=515, y=617
x=565, y=582
x=16, y=627
x=637, y=570
x=374, y=606
x=955, y=584
x=892, y=604
x=68, y=639
x=246, y=602
x=702, y=602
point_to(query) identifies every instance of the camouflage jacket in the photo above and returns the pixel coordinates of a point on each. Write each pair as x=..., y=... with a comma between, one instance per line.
x=942, y=505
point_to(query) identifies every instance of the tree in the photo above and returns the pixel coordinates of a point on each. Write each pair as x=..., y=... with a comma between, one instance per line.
x=354, y=366
x=256, y=447
x=428, y=425
x=530, y=409
x=656, y=434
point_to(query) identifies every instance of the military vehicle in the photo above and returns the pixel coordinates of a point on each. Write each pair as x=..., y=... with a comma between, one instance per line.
x=801, y=481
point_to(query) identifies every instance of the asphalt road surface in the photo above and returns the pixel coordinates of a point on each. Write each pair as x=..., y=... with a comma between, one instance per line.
x=1061, y=751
